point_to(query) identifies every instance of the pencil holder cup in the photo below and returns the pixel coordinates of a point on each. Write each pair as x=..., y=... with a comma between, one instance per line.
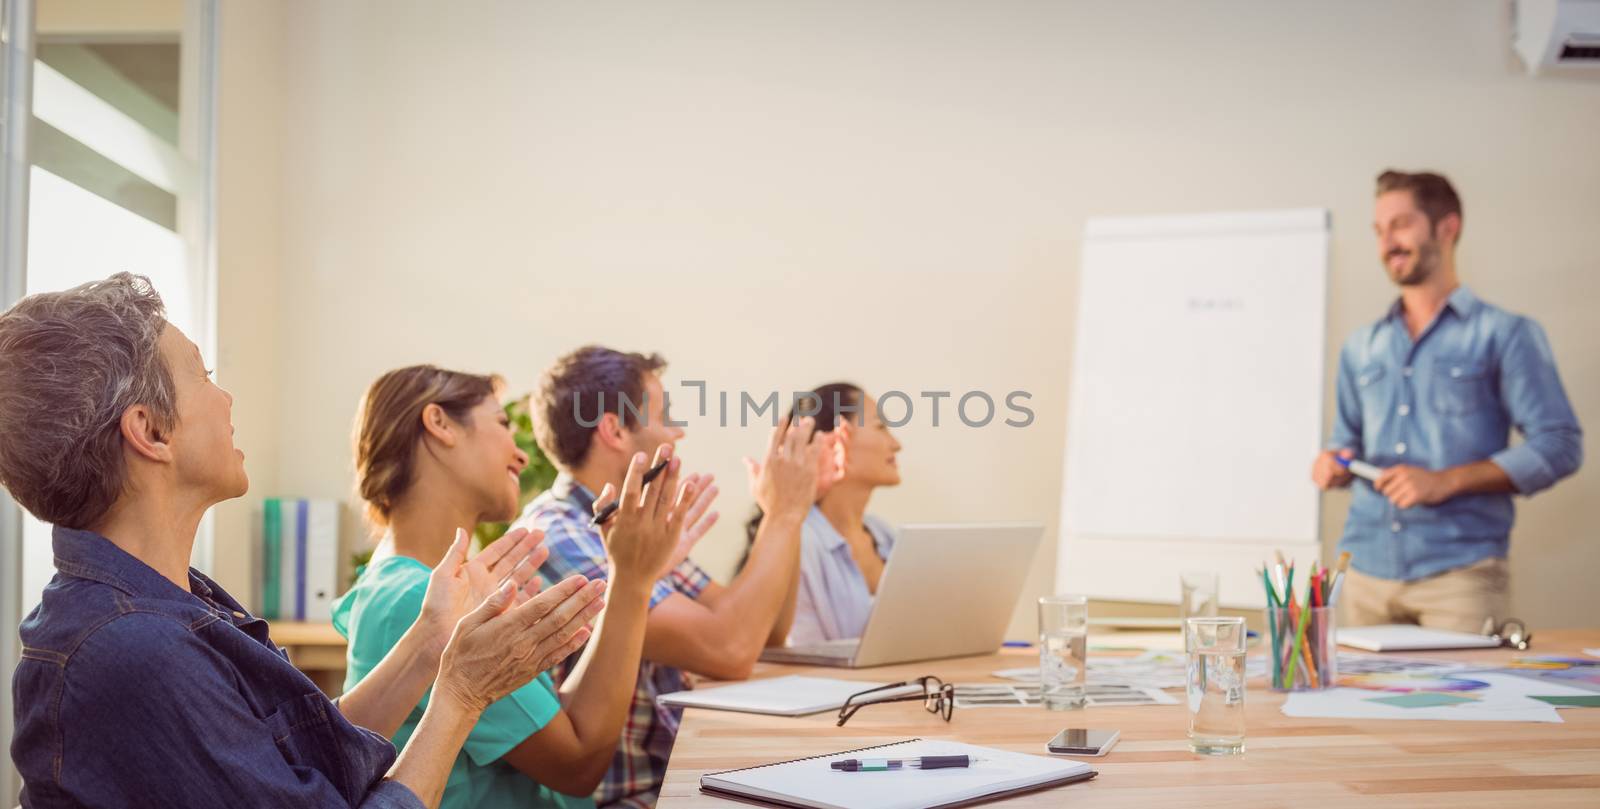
x=1304, y=655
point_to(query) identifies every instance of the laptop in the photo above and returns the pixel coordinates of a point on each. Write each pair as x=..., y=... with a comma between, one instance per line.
x=946, y=591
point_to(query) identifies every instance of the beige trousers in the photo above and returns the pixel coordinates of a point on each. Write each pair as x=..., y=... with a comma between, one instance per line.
x=1457, y=599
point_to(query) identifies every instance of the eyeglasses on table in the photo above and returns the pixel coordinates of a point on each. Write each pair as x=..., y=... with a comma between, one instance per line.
x=937, y=697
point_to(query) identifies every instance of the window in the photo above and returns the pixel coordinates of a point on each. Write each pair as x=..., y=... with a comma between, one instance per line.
x=116, y=122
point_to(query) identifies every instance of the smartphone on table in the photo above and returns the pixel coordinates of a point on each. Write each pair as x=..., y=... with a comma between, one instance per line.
x=1083, y=742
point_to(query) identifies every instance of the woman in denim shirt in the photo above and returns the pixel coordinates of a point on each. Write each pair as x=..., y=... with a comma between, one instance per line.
x=143, y=683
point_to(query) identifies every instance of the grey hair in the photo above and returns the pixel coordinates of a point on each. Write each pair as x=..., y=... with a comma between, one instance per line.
x=71, y=363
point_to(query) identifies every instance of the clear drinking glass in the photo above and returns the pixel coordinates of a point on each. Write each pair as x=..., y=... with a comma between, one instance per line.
x=1063, y=651
x=1199, y=598
x=1215, y=649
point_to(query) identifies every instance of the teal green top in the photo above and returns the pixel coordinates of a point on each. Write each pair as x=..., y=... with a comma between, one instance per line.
x=385, y=601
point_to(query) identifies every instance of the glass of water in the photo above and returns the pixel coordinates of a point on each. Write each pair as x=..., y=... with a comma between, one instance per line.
x=1199, y=598
x=1215, y=649
x=1063, y=651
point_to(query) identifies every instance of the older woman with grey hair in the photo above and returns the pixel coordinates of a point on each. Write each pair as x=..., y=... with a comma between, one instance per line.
x=143, y=683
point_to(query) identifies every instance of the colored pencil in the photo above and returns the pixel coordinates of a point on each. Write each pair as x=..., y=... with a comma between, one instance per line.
x=1313, y=593
x=1299, y=641
x=1272, y=625
x=1338, y=578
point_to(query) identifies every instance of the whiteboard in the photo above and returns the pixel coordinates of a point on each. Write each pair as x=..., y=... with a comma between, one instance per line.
x=1195, y=407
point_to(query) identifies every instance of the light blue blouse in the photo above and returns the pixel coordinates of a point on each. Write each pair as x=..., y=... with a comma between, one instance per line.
x=833, y=601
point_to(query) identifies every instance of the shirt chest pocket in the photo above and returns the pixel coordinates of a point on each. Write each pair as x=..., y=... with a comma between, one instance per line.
x=1371, y=388
x=304, y=733
x=1460, y=387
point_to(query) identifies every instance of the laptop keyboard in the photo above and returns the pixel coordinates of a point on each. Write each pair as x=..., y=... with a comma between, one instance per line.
x=827, y=647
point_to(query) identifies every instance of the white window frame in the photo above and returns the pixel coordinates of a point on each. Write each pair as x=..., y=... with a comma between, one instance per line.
x=16, y=94
x=196, y=215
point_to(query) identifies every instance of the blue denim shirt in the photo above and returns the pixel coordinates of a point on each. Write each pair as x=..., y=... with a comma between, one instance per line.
x=132, y=692
x=1450, y=397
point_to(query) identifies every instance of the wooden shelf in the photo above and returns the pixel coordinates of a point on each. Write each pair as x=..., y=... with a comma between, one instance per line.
x=305, y=633
x=315, y=648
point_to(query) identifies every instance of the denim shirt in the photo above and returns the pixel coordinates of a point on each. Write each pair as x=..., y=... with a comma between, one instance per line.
x=132, y=692
x=1450, y=397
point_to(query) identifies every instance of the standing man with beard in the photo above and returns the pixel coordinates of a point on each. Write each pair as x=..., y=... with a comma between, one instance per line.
x=1429, y=394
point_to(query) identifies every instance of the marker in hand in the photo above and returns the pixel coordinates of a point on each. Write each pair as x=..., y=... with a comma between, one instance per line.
x=1360, y=469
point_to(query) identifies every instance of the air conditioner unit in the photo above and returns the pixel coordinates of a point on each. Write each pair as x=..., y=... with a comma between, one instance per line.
x=1558, y=33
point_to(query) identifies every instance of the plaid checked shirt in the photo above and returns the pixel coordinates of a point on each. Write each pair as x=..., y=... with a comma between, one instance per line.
x=640, y=764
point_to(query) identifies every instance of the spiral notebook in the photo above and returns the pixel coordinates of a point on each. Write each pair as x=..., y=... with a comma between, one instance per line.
x=810, y=782
x=1410, y=638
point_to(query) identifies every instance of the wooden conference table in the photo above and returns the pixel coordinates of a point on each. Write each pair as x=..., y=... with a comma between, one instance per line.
x=1288, y=761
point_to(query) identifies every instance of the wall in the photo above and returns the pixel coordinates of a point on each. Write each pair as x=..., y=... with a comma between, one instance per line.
x=250, y=202
x=780, y=194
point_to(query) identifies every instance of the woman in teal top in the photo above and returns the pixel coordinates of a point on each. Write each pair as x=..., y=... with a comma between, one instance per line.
x=434, y=456
x=386, y=599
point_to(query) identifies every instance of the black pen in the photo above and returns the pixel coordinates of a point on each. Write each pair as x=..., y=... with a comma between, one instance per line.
x=611, y=508
x=889, y=764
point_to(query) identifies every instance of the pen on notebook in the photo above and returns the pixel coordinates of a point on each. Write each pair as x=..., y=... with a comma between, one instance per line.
x=1360, y=469
x=886, y=764
x=611, y=507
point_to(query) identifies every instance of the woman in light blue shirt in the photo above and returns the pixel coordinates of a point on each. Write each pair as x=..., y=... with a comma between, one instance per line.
x=842, y=547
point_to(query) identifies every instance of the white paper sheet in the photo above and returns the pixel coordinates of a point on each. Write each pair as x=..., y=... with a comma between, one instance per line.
x=1505, y=700
x=1154, y=669
x=1509, y=682
x=1001, y=695
x=1386, y=664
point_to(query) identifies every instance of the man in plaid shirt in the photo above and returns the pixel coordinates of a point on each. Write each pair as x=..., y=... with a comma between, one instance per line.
x=695, y=624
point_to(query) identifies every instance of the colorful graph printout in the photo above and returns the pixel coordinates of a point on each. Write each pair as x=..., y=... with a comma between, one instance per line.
x=1405, y=683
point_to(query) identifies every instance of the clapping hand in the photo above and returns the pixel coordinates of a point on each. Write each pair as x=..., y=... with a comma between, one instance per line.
x=785, y=481
x=501, y=645
x=459, y=584
x=647, y=531
x=696, y=521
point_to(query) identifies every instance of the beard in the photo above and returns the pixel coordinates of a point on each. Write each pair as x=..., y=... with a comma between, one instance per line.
x=1420, y=270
